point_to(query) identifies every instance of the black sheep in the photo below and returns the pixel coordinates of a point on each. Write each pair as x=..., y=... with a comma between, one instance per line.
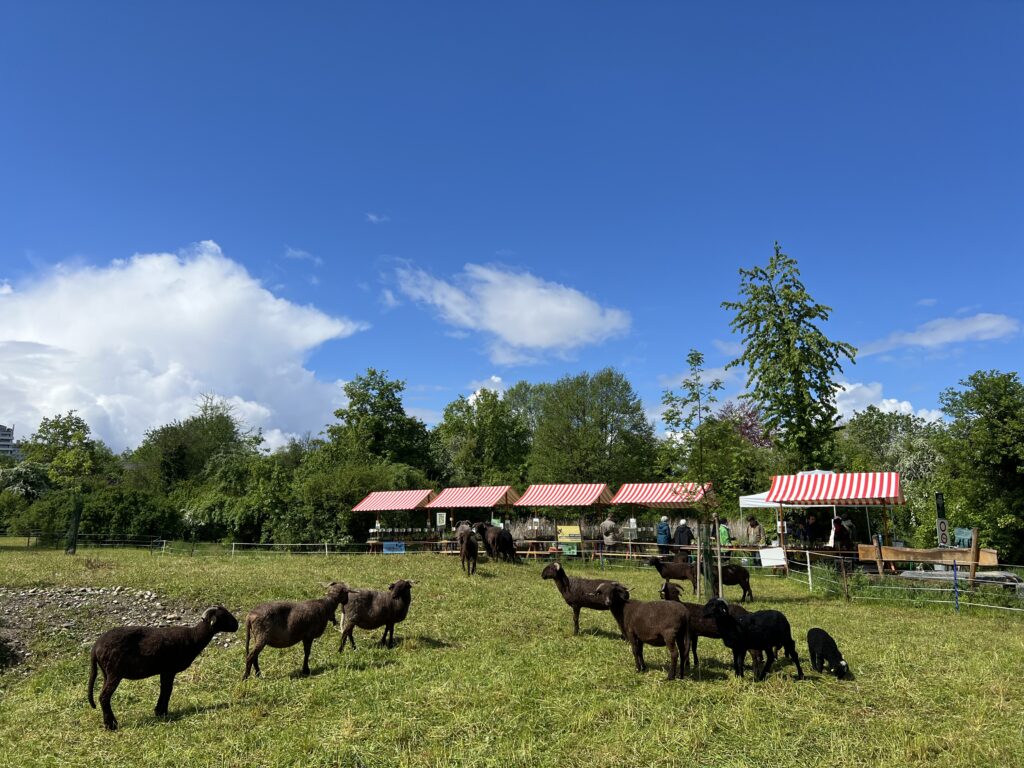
x=658, y=623
x=822, y=648
x=737, y=575
x=680, y=568
x=702, y=626
x=497, y=541
x=370, y=609
x=577, y=593
x=134, y=653
x=468, y=551
x=761, y=630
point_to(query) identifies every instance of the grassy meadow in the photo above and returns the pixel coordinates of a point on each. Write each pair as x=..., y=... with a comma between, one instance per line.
x=486, y=672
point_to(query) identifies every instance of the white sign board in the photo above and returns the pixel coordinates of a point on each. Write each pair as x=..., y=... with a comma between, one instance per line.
x=442, y=518
x=772, y=557
x=942, y=528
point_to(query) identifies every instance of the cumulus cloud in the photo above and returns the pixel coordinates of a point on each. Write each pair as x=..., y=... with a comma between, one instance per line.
x=947, y=330
x=377, y=218
x=523, y=315
x=728, y=348
x=131, y=345
x=852, y=397
x=493, y=383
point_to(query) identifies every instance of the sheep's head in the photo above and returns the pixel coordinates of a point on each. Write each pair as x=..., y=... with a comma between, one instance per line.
x=480, y=528
x=220, y=619
x=401, y=589
x=612, y=593
x=670, y=591
x=655, y=561
x=551, y=570
x=337, y=591
x=716, y=606
x=842, y=670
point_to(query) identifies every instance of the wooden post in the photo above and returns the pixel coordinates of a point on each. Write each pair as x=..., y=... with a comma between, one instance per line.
x=878, y=555
x=975, y=546
x=700, y=573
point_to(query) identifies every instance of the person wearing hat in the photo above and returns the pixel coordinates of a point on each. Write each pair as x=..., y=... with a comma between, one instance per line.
x=663, y=535
x=683, y=537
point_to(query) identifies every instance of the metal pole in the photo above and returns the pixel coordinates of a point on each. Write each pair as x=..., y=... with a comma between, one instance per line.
x=956, y=589
x=718, y=538
x=810, y=580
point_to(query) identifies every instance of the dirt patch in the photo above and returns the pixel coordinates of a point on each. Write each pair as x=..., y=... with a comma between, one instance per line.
x=80, y=615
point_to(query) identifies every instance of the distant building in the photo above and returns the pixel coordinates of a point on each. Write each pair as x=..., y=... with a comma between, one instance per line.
x=7, y=441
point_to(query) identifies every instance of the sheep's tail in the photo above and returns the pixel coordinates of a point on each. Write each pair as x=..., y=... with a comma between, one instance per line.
x=92, y=679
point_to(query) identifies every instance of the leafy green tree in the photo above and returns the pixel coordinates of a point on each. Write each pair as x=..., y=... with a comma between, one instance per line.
x=592, y=428
x=374, y=424
x=982, y=472
x=481, y=441
x=790, y=362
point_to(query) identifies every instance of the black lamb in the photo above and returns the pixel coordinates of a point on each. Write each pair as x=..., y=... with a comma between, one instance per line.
x=822, y=648
x=680, y=568
x=702, y=626
x=761, y=630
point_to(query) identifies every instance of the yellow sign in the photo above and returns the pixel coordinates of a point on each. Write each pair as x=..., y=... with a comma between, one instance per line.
x=569, y=534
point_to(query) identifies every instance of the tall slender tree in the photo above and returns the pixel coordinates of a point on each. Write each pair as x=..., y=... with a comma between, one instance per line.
x=790, y=362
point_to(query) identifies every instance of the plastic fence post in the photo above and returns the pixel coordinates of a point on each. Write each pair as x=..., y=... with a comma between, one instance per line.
x=810, y=579
x=956, y=589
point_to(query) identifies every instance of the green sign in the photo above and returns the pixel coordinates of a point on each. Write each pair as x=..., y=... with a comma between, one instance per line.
x=570, y=549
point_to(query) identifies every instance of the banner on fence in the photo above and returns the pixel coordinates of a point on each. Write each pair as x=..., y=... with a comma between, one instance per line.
x=963, y=537
x=394, y=548
x=772, y=557
x=442, y=519
x=569, y=534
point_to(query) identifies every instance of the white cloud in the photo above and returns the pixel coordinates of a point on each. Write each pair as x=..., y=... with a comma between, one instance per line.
x=524, y=315
x=388, y=299
x=377, y=218
x=5, y=288
x=947, y=330
x=729, y=348
x=131, y=345
x=297, y=254
x=927, y=302
x=857, y=396
x=493, y=383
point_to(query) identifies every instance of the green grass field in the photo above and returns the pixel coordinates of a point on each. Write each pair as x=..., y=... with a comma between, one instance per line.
x=487, y=672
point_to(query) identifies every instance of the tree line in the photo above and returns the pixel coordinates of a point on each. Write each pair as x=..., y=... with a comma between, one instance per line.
x=207, y=476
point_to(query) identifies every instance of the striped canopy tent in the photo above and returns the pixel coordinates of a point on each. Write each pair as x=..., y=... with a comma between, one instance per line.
x=480, y=497
x=838, y=489
x=571, y=495
x=662, y=495
x=394, y=501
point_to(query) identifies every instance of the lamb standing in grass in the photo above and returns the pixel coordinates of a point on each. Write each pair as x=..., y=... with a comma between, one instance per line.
x=822, y=648
x=761, y=630
x=702, y=626
x=133, y=653
x=370, y=609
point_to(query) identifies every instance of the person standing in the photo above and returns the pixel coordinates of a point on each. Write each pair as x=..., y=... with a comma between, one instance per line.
x=683, y=537
x=756, y=536
x=663, y=535
x=609, y=533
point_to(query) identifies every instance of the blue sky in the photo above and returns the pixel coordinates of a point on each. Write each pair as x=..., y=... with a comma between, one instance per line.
x=461, y=191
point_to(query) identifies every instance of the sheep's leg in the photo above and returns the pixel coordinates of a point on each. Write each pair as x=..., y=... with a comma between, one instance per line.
x=817, y=663
x=747, y=592
x=693, y=647
x=673, y=656
x=575, y=619
x=638, y=655
x=110, y=683
x=346, y=633
x=166, y=685
x=738, y=658
x=693, y=580
x=307, y=646
x=252, y=661
x=768, y=661
x=795, y=657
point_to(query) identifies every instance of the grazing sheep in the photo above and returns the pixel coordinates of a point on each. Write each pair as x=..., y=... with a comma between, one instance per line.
x=761, y=630
x=680, y=568
x=737, y=575
x=701, y=626
x=658, y=623
x=497, y=541
x=577, y=593
x=369, y=609
x=282, y=624
x=467, y=551
x=133, y=653
x=822, y=648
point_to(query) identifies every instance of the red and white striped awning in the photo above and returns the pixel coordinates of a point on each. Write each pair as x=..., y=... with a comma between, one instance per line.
x=576, y=495
x=846, y=489
x=480, y=497
x=393, y=501
x=661, y=495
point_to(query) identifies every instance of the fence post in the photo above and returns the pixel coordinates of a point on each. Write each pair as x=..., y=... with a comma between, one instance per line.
x=810, y=579
x=232, y=549
x=878, y=556
x=846, y=586
x=975, y=554
x=325, y=549
x=956, y=589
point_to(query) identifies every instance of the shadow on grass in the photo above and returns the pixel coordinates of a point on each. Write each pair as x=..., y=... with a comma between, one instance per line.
x=313, y=672
x=424, y=641
x=175, y=715
x=601, y=633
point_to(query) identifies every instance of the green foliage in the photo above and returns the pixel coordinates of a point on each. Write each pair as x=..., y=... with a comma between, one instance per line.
x=374, y=424
x=120, y=511
x=592, y=428
x=63, y=444
x=481, y=441
x=983, y=459
x=790, y=362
